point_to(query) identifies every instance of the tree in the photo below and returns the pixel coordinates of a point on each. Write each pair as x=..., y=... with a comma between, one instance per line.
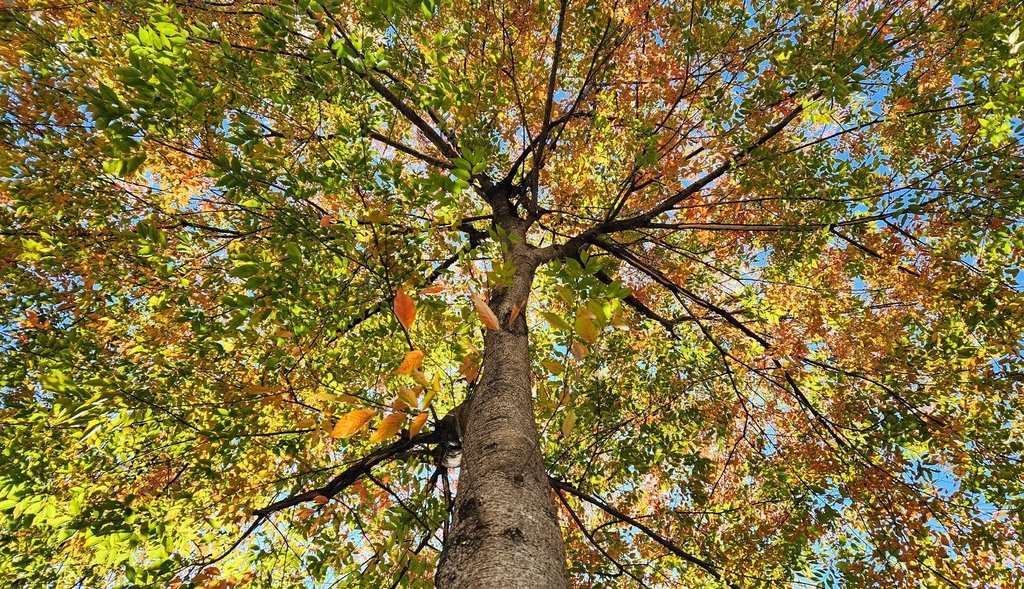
x=600, y=293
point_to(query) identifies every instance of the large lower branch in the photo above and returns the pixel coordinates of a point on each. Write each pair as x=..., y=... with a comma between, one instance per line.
x=444, y=431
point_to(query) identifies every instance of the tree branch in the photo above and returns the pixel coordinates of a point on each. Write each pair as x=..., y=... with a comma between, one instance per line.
x=690, y=558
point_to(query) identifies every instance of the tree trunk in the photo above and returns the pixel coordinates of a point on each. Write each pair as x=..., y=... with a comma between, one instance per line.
x=505, y=531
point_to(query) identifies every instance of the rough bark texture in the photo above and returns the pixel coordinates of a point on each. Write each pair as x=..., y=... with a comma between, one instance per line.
x=505, y=531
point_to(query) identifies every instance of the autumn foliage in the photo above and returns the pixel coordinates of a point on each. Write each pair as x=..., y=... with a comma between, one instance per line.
x=768, y=257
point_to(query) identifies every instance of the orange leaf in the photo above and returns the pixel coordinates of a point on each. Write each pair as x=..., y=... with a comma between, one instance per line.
x=417, y=424
x=412, y=362
x=469, y=368
x=515, y=313
x=388, y=427
x=487, y=316
x=326, y=220
x=405, y=309
x=352, y=422
x=433, y=290
x=320, y=499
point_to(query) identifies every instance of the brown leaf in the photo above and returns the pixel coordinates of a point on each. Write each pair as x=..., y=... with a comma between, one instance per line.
x=320, y=499
x=388, y=427
x=579, y=351
x=327, y=220
x=411, y=362
x=351, y=422
x=417, y=424
x=405, y=309
x=487, y=316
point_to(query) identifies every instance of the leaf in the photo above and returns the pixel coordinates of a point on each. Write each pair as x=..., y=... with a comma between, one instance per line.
x=320, y=499
x=327, y=220
x=556, y=321
x=388, y=427
x=408, y=396
x=469, y=368
x=421, y=379
x=514, y=314
x=412, y=361
x=352, y=422
x=487, y=316
x=553, y=366
x=433, y=290
x=405, y=309
x=428, y=398
x=579, y=351
x=569, y=422
x=565, y=294
x=586, y=328
x=417, y=424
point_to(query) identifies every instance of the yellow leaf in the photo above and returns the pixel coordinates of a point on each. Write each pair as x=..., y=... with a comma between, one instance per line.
x=408, y=396
x=553, y=367
x=417, y=424
x=428, y=398
x=351, y=422
x=421, y=379
x=586, y=329
x=487, y=316
x=263, y=390
x=411, y=362
x=388, y=427
x=569, y=422
x=305, y=423
x=565, y=293
x=405, y=309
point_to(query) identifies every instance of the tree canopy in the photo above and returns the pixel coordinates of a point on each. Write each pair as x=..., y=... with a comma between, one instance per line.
x=767, y=255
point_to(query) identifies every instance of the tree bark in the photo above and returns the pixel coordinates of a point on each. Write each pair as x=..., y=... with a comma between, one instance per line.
x=505, y=532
